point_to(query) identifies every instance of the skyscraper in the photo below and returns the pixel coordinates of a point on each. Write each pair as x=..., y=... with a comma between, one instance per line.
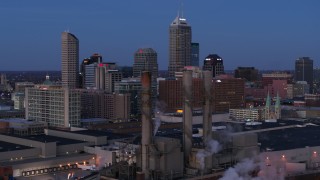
x=145, y=59
x=304, y=71
x=179, y=45
x=87, y=70
x=214, y=63
x=70, y=60
x=194, y=54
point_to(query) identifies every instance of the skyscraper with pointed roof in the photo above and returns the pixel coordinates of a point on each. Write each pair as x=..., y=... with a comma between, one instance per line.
x=267, y=107
x=277, y=107
x=179, y=45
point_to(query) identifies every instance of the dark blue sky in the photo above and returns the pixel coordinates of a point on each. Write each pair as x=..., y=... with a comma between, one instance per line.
x=264, y=34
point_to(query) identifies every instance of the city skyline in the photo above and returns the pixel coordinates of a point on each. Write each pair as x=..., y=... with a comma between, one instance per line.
x=259, y=34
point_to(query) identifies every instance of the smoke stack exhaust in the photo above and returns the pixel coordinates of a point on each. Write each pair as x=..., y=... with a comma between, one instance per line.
x=187, y=115
x=207, y=113
x=146, y=121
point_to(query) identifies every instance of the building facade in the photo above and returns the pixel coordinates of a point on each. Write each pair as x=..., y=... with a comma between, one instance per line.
x=214, y=63
x=100, y=104
x=268, y=78
x=304, y=71
x=70, y=60
x=179, y=45
x=145, y=59
x=133, y=87
x=171, y=93
x=87, y=70
x=247, y=73
x=228, y=93
x=195, y=50
x=56, y=105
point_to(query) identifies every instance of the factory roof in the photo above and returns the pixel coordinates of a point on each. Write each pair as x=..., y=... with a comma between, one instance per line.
x=235, y=127
x=97, y=133
x=291, y=138
x=47, y=139
x=6, y=146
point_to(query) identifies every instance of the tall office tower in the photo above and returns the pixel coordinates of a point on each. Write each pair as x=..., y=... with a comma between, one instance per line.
x=214, y=63
x=94, y=59
x=106, y=75
x=133, y=87
x=56, y=105
x=111, y=77
x=247, y=73
x=179, y=45
x=304, y=71
x=145, y=59
x=70, y=60
x=194, y=54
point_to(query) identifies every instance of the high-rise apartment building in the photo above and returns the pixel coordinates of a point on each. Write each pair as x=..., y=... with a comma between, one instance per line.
x=70, y=60
x=194, y=54
x=58, y=106
x=179, y=45
x=214, y=63
x=304, y=71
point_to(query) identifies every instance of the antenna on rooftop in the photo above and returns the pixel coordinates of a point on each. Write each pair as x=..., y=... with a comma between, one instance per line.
x=181, y=8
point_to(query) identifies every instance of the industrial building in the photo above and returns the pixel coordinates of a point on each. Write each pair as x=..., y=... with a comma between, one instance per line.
x=185, y=152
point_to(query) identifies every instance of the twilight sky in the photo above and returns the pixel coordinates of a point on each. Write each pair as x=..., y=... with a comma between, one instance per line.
x=267, y=34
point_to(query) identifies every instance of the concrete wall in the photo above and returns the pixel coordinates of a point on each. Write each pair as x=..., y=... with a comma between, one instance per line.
x=19, y=167
x=71, y=148
x=20, y=154
x=166, y=156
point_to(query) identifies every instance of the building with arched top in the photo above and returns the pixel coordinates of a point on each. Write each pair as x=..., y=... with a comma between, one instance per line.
x=69, y=60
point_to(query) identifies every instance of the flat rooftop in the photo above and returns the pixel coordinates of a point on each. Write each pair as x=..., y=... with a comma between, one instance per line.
x=5, y=146
x=47, y=138
x=97, y=133
x=291, y=138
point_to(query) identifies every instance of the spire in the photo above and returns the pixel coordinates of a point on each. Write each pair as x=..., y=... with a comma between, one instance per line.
x=268, y=101
x=277, y=100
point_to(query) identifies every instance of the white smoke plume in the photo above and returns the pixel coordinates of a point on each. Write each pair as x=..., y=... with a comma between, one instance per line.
x=252, y=169
x=156, y=125
x=211, y=147
x=159, y=109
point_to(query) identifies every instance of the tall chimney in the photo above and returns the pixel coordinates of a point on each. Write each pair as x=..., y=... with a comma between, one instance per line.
x=187, y=114
x=146, y=121
x=207, y=113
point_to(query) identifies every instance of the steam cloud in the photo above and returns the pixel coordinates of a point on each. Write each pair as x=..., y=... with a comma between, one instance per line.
x=211, y=147
x=160, y=108
x=252, y=169
x=156, y=125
